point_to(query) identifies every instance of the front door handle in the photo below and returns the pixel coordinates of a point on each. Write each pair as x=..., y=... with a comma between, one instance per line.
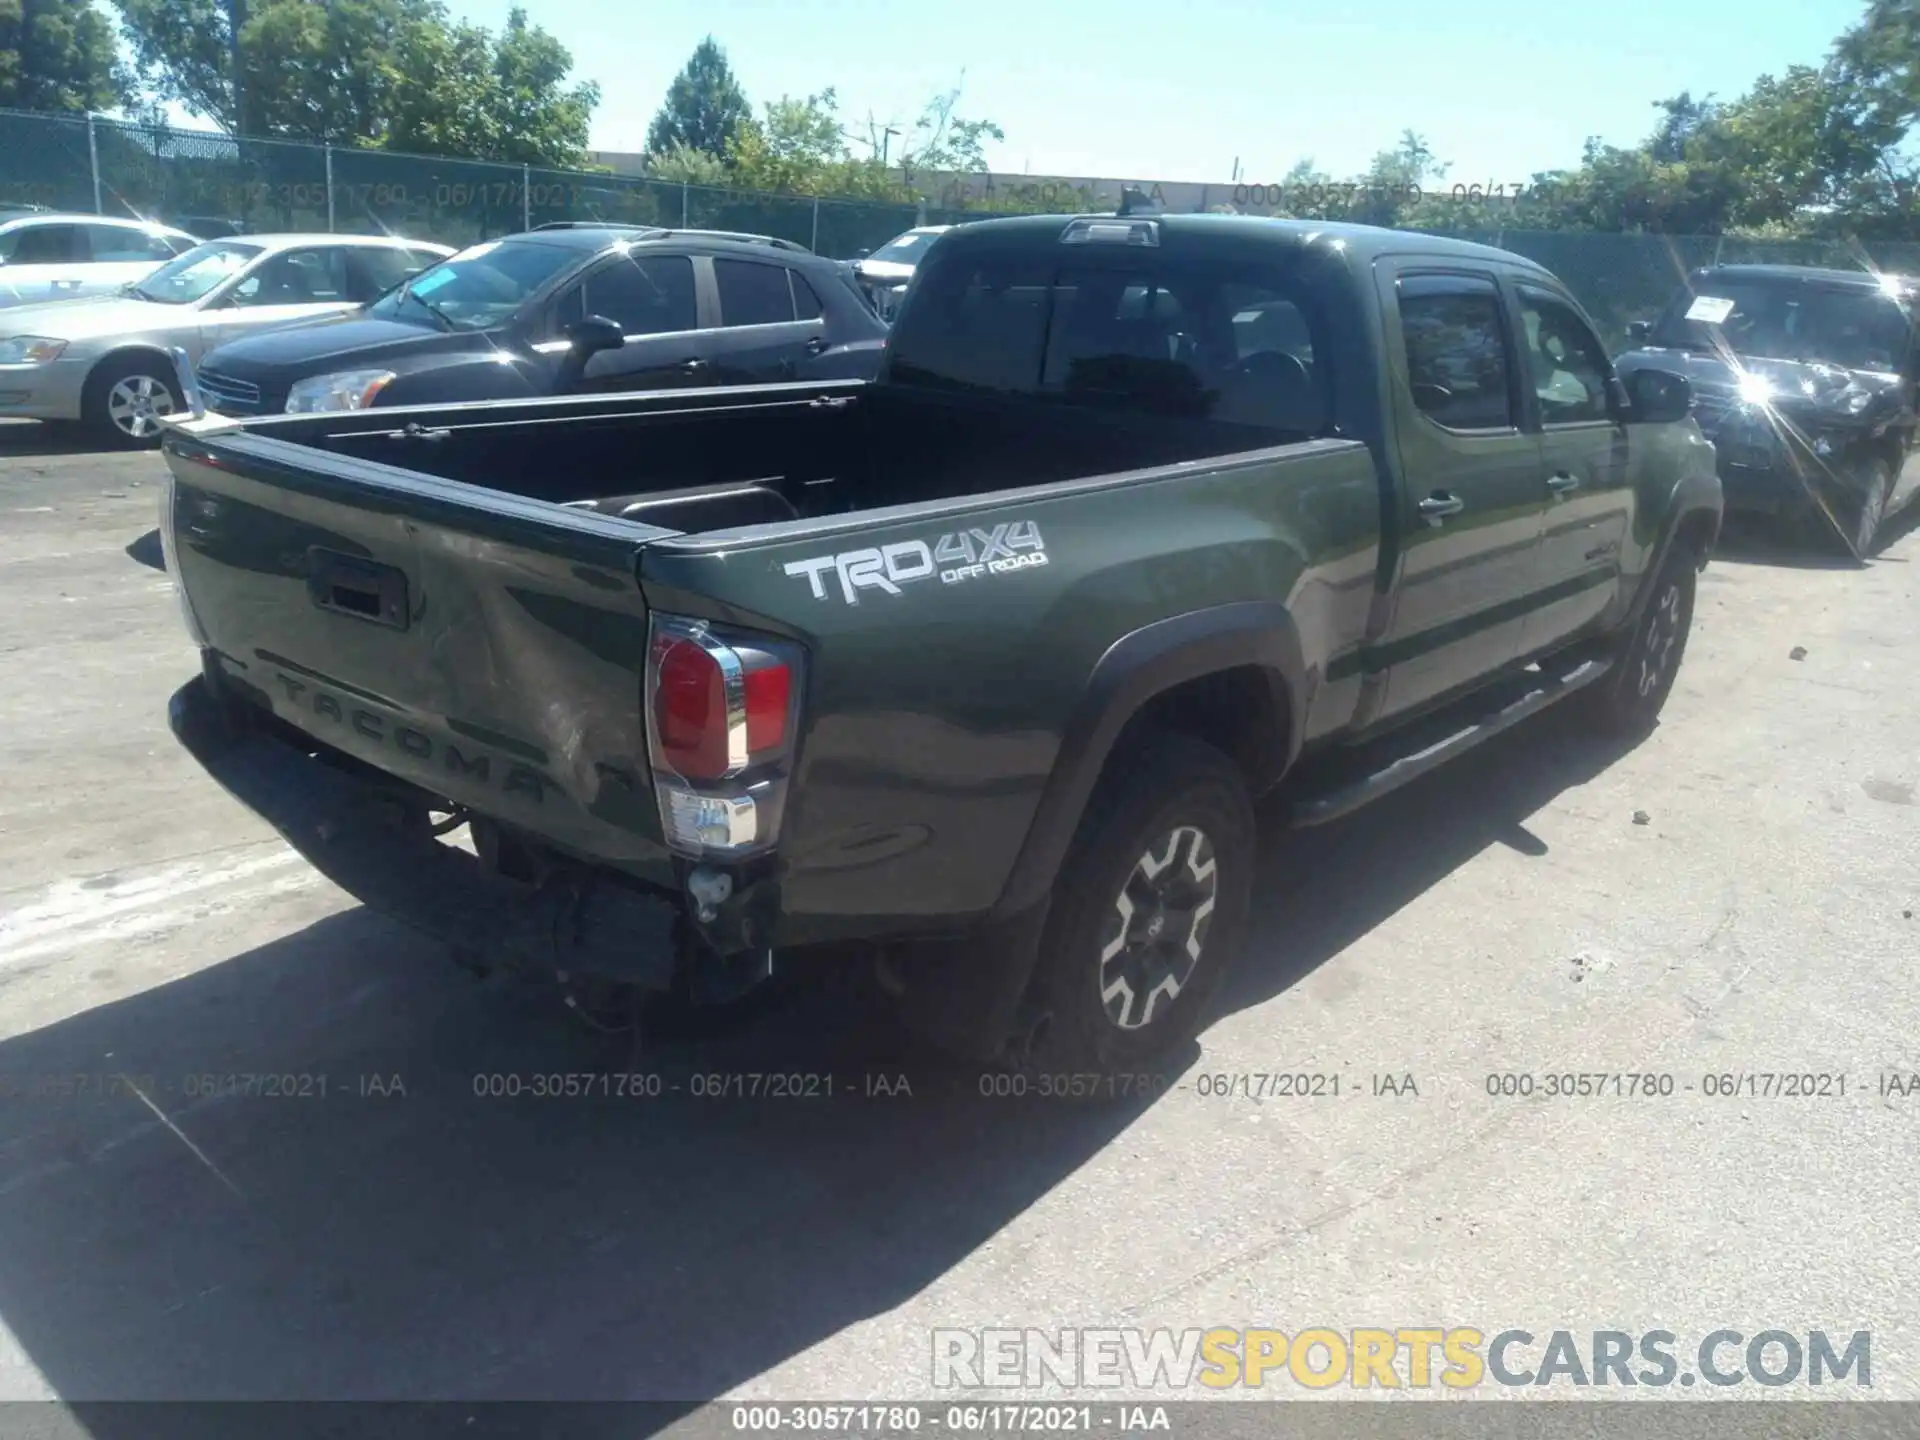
x=1560, y=483
x=694, y=366
x=1437, y=506
x=816, y=345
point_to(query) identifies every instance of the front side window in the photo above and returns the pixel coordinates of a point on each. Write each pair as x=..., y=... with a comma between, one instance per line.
x=1568, y=366
x=1457, y=362
x=188, y=277
x=642, y=294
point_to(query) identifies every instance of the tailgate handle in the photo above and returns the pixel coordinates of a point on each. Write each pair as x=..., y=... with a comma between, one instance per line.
x=348, y=585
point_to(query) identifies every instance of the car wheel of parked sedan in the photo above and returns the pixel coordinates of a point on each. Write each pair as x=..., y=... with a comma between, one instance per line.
x=125, y=399
x=1647, y=655
x=1147, y=912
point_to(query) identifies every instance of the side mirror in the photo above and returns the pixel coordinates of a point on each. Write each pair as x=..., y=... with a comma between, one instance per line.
x=1659, y=397
x=590, y=336
x=1639, y=331
x=861, y=254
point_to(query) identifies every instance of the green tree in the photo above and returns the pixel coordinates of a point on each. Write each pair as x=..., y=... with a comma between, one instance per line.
x=394, y=74
x=57, y=55
x=704, y=106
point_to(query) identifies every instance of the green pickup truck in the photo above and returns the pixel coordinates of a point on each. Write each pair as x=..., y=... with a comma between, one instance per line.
x=972, y=672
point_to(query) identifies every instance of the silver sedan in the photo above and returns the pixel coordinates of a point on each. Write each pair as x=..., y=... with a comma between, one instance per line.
x=107, y=363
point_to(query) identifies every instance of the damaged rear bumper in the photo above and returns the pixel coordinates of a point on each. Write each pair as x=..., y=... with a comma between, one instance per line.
x=346, y=826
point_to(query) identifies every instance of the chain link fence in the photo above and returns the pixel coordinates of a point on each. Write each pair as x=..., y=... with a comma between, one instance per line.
x=211, y=185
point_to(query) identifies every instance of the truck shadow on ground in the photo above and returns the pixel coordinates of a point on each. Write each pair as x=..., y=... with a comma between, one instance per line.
x=36, y=437
x=441, y=1243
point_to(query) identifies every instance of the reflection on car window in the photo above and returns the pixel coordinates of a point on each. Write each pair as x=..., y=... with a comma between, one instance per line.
x=1456, y=343
x=1861, y=329
x=47, y=245
x=480, y=287
x=645, y=294
x=298, y=277
x=125, y=245
x=905, y=249
x=1568, y=367
x=1159, y=337
x=752, y=294
x=188, y=277
x=383, y=269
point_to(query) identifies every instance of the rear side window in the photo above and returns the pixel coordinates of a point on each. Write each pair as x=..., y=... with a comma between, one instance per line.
x=1194, y=340
x=1458, y=365
x=379, y=270
x=123, y=244
x=806, y=300
x=753, y=294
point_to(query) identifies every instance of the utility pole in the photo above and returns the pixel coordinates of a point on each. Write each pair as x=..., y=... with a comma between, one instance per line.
x=236, y=17
x=886, y=143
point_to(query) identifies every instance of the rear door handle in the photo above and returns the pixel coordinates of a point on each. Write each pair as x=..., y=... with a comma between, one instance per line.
x=1437, y=506
x=1561, y=482
x=815, y=345
x=693, y=366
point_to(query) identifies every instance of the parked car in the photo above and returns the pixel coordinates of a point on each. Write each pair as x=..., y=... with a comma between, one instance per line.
x=106, y=361
x=50, y=256
x=976, y=668
x=567, y=307
x=1805, y=380
x=885, y=272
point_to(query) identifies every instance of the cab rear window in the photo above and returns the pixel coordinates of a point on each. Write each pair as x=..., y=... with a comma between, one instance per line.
x=1199, y=341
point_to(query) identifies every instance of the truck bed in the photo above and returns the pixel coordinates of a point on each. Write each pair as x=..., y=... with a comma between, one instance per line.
x=702, y=461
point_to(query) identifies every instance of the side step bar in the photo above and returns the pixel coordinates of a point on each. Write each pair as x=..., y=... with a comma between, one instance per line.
x=1350, y=793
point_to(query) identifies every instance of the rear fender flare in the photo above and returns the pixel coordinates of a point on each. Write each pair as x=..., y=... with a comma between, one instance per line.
x=1135, y=668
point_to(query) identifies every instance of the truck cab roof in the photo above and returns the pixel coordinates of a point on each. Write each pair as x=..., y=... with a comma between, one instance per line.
x=1362, y=242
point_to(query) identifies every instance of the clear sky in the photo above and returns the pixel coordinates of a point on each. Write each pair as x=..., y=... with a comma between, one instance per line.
x=1177, y=89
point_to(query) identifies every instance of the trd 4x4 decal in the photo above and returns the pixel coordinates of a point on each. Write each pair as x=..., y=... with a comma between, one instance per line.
x=957, y=556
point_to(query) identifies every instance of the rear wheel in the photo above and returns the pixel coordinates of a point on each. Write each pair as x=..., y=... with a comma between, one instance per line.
x=125, y=399
x=1148, y=911
x=1647, y=655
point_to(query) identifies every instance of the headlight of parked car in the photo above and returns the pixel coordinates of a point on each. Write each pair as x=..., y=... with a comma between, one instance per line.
x=30, y=350
x=342, y=390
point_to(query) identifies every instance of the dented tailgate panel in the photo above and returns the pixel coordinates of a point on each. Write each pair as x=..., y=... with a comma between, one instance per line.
x=487, y=648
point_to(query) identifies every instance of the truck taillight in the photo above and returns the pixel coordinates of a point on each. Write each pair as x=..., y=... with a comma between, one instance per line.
x=720, y=724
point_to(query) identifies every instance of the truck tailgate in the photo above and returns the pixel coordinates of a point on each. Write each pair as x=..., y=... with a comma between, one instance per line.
x=488, y=648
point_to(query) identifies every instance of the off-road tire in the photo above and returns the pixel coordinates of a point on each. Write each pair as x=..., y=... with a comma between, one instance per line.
x=1171, y=801
x=1647, y=654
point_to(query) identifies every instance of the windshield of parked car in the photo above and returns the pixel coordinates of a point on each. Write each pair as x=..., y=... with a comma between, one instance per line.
x=187, y=277
x=478, y=288
x=905, y=249
x=1857, y=328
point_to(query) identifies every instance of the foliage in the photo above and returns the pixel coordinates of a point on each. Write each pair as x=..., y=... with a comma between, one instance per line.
x=704, y=106
x=57, y=55
x=393, y=74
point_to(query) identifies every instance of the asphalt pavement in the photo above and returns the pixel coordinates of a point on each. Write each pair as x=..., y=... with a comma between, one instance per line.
x=1734, y=896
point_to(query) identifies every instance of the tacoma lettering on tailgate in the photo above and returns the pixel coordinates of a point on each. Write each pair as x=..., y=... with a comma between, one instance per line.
x=508, y=778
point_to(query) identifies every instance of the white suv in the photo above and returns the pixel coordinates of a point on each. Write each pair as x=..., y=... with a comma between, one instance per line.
x=62, y=257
